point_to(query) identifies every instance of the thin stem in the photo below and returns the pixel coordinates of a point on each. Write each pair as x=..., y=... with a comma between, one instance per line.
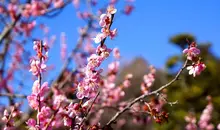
x=86, y=115
x=155, y=92
x=103, y=41
x=52, y=118
x=12, y=95
x=40, y=80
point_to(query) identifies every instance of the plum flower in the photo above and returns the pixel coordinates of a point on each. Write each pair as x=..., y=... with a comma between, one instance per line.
x=191, y=120
x=191, y=52
x=82, y=91
x=218, y=127
x=108, y=32
x=113, y=33
x=116, y=53
x=113, y=67
x=94, y=61
x=99, y=37
x=111, y=10
x=58, y=3
x=196, y=69
x=31, y=124
x=105, y=19
x=36, y=90
x=37, y=67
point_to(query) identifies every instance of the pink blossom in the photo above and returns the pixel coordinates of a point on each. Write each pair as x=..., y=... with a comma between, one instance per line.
x=32, y=99
x=27, y=27
x=206, y=117
x=113, y=2
x=76, y=3
x=37, y=8
x=67, y=121
x=58, y=98
x=113, y=33
x=63, y=45
x=196, y=69
x=58, y=3
x=113, y=67
x=103, y=51
x=36, y=89
x=191, y=120
x=37, y=67
x=116, y=53
x=31, y=124
x=218, y=127
x=191, y=52
x=5, y=116
x=105, y=20
x=12, y=9
x=127, y=83
x=26, y=12
x=111, y=10
x=99, y=37
x=148, y=80
x=82, y=91
x=94, y=61
x=128, y=9
x=44, y=114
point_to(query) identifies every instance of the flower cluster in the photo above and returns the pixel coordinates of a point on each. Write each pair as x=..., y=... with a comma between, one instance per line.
x=151, y=109
x=204, y=121
x=92, y=80
x=192, y=54
x=191, y=120
x=39, y=91
x=148, y=80
x=8, y=116
x=105, y=23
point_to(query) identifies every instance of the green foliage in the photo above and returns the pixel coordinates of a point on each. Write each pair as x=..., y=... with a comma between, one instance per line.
x=180, y=39
x=172, y=61
x=192, y=92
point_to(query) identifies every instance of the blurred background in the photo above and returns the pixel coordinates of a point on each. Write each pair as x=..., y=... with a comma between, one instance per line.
x=155, y=34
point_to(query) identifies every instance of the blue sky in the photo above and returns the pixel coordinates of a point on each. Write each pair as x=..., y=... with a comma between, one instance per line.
x=147, y=30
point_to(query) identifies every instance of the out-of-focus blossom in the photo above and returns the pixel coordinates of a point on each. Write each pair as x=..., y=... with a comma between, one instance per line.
x=196, y=69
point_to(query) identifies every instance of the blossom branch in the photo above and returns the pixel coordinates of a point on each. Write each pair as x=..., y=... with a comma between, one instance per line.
x=116, y=116
x=39, y=79
x=112, y=17
x=56, y=81
x=165, y=99
x=8, y=29
x=52, y=118
x=89, y=109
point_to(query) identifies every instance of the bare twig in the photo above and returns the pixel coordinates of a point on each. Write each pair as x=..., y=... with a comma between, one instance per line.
x=52, y=118
x=112, y=17
x=12, y=95
x=9, y=28
x=165, y=99
x=39, y=80
x=155, y=92
x=87, y=113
